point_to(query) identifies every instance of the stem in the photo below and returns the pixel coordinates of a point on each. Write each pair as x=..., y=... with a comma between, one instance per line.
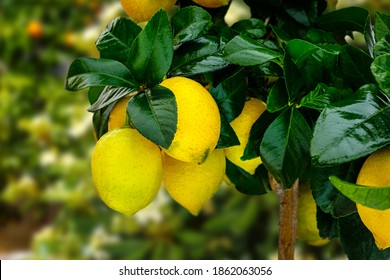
x=288, y=207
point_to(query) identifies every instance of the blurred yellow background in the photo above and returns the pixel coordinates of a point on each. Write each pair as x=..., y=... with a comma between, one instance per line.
x=48, y=205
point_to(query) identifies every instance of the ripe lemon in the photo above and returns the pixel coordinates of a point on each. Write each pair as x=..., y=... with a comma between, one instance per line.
x=35, y=29
x=118, y=114
x=191, y=184
x=198, y=124
x=242, y=125
x=127, y=170
x=375, y=172
x=143, y=10
x=307, y=218
x=212, y=3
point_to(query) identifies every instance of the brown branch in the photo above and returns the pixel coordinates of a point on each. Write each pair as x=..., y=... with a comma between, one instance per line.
x=288, y=206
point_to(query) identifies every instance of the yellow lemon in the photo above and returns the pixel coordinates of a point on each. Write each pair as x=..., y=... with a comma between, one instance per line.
x=191, y=184
x=118, y=114
x=375, y=172
x=307, y=218
x=198, y=124
x=212, y=3
x=242, y=125
x=143, y=10
x=126, y=170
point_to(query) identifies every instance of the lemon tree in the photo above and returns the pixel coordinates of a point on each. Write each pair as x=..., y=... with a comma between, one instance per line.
x=187, y=78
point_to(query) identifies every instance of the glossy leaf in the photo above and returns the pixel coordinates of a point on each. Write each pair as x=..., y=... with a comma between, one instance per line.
x=197, y=57
x=93, y=72
x=227, y=137
x=278, y=96
x=327, y=225
x=285, y=147
x=253, y=28
x=154, y=115
x=381, y=70
x=382, y=47
x=152, y=51
x=109, y=95
x=318, y=36
x=352, y=128
x=190, y=23
x=100, y=120
x=357, y=241
x=116, y=39
x=373, y=197
x=244, y=51
x=94, y=93
x=369, y=36
x=382, y=25
x=347, y=19
x=230, y=95
x=319, y=98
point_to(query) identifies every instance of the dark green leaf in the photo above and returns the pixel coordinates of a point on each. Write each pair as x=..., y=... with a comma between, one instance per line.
x=230, y=95
x=293, y=79
x=278, y=96
x=190, y=23
x=116, y=39
x=154, y=115
x=373, y=197
x=382, y=47
x=92, y=72
x=381, y=70
x=352, y=128
x=109, y=95
x=253, y=28
x=197, y=57
x=252, y=149
x=347, y=19
x=100, y=120
x=227, y=137
x=285, y=147
x=357, y=241
x=319, y=98
x=268, y=69
x=152, y=51
x=245, y=183
x=369, y=36
x=382, y=25
x=94, y=93
x=318, y=36
x=244, y=51
x=327, y=225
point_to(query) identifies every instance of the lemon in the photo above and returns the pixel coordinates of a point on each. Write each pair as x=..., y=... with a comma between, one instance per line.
x=191, y=184
x=126, y=170
x=375, y=172
x=118, y=114
x=242, y=125
x=212, y=3
x=307, y=218
x=143, y=10
x=198, y=124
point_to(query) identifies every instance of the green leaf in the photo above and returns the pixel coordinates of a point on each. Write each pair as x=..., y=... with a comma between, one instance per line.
x=92, y=72
x=357, y=241
x=94, y=93
x=382, y=47
x=327, y=225
x=373, y=197
x=152, y=51
x=347, y=19
x=228, y=136
x=253, y=28
x=244, y=51
x=285, y=147
x=369, y=36
x=318, y=36
x=319, y=98
x=154, y=115
x=230, y=95
x=190, y=23
x=100, y=120
x=116, y=39
x=353, y=128
x=278, y=96
x=381, y=70
x=197, y=57
x=382, y=25
x=245, y=183
x=109, y=95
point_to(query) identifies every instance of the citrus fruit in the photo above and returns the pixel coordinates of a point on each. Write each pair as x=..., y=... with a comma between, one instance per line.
x=375, y=172
x=126, y=170
x=198, y=124
x=143, y=10
x=191, y=184
x=242, y=125
x=118, y=114
x=212, y=3
x=307, y=217
x=35, y=29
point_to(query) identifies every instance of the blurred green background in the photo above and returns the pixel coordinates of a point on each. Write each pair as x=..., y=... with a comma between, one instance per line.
x=48, y=205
